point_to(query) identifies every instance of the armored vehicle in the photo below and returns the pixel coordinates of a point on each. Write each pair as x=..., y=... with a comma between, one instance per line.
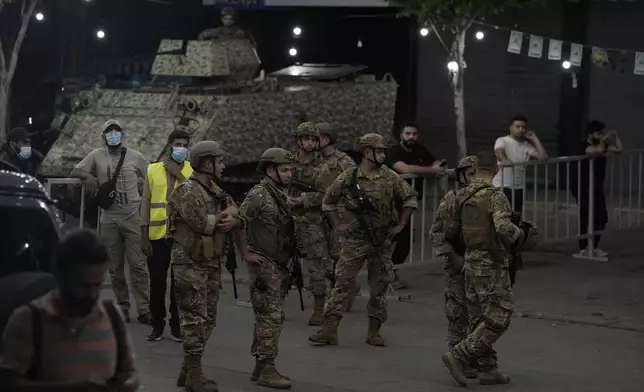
x=216, y=90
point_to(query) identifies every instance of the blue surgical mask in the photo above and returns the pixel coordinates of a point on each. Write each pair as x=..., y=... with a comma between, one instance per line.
x=113, y=138
x=25, y=152
x=179, y=154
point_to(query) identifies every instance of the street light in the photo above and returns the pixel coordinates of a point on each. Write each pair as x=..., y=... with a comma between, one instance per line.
x=566, y=64
x=292, y=52
x=40, y=16
x=100, y=34
x=424, y=31
x=297, y=31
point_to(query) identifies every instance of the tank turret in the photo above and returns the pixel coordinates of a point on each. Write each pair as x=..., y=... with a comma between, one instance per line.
x=228, y=59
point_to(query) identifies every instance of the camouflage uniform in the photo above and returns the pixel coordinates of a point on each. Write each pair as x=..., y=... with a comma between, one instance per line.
x=269, y=232
x=484, y=210
x=310, y=169
x=383, y=187
x=196, y=258
x=455, y=301
x=337, y=162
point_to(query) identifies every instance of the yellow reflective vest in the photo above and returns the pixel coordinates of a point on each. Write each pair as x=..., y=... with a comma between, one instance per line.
x=158, y=182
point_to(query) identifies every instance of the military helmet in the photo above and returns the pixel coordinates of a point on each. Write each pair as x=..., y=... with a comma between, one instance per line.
x=228, y=11
x=530, y=236
x=467, y=162
x=370, y=140
x=307, y=129
x=274, y=156
x=204, y=149
x=327, y=129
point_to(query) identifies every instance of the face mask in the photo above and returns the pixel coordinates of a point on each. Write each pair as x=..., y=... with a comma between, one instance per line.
x=113, y=138
x=25, y=152
x=179, y=154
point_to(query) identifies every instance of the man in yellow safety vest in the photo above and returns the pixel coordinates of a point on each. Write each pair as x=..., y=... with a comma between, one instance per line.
x=162, y=179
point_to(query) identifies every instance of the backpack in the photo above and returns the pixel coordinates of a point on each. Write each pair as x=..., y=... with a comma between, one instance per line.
x=118, y=327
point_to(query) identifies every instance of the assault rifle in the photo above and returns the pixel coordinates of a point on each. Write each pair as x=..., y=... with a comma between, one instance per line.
x=296, y=275
x=366, y=206
x=516, y=261
x=303, y=186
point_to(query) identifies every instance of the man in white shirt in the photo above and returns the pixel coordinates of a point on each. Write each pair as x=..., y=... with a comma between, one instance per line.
x=518, y=147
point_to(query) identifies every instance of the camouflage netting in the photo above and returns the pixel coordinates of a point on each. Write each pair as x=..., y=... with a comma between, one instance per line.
x=246, y=123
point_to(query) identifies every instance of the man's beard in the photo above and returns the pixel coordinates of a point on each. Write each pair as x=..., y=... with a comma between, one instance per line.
x=409, y=143
x=81, y=307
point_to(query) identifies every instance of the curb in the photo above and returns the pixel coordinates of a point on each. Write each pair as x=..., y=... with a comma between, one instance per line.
x=582, y=321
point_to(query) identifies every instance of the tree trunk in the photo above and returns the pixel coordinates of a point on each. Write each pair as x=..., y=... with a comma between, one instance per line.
x=458, y=78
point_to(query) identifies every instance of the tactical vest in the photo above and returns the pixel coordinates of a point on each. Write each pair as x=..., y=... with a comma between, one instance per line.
x=158, y=182
x=202, y=248
x=477, y=226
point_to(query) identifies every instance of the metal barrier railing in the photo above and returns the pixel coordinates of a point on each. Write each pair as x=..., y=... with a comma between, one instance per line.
x=547, y=197
x=550, y=196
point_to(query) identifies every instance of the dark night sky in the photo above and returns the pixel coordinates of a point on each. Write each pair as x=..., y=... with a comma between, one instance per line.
x=135, y=27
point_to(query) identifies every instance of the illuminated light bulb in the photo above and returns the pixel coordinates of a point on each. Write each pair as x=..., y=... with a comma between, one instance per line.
x=40, y=16
x=566, y=64
x=297, y=31
x=480, y=35
x=292, y=52
x=100, y=34
x=452, y=66
x=359, y=44
x=424, y=31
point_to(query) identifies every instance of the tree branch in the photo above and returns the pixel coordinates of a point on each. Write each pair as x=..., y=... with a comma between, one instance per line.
x=435, y=30
x=3, y=61
x=26, y=18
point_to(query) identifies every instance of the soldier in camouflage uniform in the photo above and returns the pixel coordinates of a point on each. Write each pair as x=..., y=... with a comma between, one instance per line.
x=199, y=224
x=368, y=229
x=227, y=30
x=308, y=168
x=336, y=163
x=270, y=245
x=452, y=253
x=481, y=215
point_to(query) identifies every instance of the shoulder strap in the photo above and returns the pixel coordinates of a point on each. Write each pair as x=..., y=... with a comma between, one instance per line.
x=36, y=341
x=462, y=204
x=354, y=182
x=118, y=327
x=276, y=197
x=120, y=164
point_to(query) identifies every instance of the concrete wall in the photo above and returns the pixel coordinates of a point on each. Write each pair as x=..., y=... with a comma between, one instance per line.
x=618, y=98
x=499, y=84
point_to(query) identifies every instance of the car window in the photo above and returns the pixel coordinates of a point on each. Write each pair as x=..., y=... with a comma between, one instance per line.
x=28, y=240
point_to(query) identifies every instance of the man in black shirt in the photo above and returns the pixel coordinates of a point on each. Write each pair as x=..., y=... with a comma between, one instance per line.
x=410, y=157
x=598, y=142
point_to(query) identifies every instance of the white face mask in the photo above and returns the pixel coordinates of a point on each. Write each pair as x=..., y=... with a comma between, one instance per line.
x=113, y=138
x=25, y=152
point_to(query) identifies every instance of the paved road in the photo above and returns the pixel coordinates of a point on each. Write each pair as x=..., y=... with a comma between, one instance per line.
x=592, y=337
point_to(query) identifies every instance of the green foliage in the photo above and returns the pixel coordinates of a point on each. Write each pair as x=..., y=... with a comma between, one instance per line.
x=452, y=9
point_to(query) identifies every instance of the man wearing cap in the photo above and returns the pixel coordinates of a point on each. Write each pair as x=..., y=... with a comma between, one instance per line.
x=17, y=155
x=119, y=225
x=227, y=30
x=162, y=179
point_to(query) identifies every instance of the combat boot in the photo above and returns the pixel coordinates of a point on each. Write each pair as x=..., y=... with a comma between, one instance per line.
x=317, y=318
x=352, y=296
x=270, y=377
x=493, y=377
x=181, y=378
x=328, y=335
x=455, y=368
x=195, y=380
x=468, y=372
x=373, y=335
x=257, y=371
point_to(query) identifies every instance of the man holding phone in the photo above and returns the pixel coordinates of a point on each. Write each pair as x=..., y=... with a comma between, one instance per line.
x=410, y=157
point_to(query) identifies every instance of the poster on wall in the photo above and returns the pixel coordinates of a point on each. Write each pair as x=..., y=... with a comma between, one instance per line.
x=516, y=41
x=554, y=50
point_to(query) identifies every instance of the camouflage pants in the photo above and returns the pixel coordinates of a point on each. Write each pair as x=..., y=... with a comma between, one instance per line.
x=313, y=240
x=268, y=288
x=455, y=305
x=353, y=255
x=197, y=292
x=491, y=307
